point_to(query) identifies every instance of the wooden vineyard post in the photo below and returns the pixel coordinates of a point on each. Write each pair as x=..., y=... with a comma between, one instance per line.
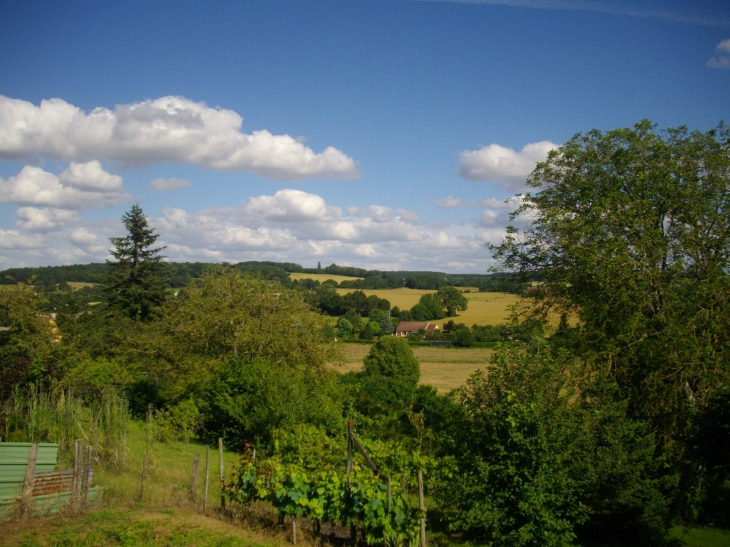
x=149, y=429
x=144, y=471
x=222, y=472
x=353, y=528
x=85, y=479
x=123, y=455
x=349, y=448
x=294, y=531
x=421, y=508
x=207, y=472
x=390, y=499
x=194, y=477
x=27, y=497
x=78, y=465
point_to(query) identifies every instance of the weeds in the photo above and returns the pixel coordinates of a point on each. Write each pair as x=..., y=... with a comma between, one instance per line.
x=34, y=415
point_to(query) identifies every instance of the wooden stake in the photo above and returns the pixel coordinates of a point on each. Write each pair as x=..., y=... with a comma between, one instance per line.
x=207, y=472
x=149, y=429
x=85, y=479
x=222, y=472
x=421, y=508
x=76, y=484
x=353, y=528
x=194, y=477
x=349, y=447
x=123, y=458
x=294, y=531
x=27, y=497
x=144, y=472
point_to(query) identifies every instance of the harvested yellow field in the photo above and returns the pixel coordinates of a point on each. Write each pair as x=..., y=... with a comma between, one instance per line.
x=322, y=277
x=443, y=368
x=485, y=308
x=403, y=297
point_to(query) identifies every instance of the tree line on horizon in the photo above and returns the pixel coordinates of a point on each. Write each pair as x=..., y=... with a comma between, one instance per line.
x=178, y=274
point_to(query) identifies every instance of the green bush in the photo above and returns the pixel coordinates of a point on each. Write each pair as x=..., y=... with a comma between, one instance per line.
x=248, y=400
x=391, y=371
x=543, y=457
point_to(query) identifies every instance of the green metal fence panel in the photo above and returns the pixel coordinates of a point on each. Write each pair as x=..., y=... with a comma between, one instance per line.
x=14, y=463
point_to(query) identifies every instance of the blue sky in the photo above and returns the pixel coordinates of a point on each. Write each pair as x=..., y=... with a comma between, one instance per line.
x=380, y=134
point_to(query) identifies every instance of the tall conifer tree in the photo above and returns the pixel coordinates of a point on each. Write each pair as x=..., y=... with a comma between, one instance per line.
x=136, y=284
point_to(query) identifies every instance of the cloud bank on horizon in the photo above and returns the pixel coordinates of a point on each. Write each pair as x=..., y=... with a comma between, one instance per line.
x=287, y=225
x=168, y=129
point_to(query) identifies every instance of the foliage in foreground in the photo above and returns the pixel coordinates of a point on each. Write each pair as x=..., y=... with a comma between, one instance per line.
x=542, y=458
x=305, y=477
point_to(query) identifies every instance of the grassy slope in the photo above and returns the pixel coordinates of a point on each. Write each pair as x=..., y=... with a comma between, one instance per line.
x=165, y=516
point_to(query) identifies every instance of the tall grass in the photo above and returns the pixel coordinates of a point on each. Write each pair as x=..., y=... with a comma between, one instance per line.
x=102, y=422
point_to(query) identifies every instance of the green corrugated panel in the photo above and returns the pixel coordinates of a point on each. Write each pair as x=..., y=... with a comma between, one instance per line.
x=14, y=463
x=45, y=505
x=13, y=453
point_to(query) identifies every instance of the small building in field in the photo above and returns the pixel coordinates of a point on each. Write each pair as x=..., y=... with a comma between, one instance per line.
x=405, y=328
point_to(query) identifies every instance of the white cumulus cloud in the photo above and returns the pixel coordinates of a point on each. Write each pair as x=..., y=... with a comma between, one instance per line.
x=47, y=219
x=84, y=237
x=449, y=203
x=503, y=165
x=168, y=129
x=12, y=239
x=168, y=184
x=722, y=60
x=34, y=186
x=90, y=176
x=291, y=206
x=378, y=213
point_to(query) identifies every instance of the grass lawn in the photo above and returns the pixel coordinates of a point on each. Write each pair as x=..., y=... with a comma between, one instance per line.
x=322, y=277
x=170, y=527
x=443, y=368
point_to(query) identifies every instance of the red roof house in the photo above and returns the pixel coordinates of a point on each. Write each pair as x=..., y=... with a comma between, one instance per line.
x=405, y=328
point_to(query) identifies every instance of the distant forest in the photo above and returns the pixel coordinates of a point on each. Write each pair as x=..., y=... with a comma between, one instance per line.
x=180, y=273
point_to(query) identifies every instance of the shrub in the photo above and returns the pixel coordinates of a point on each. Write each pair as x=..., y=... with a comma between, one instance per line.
x=391, y=371
x=543, y=457
x=248, y=400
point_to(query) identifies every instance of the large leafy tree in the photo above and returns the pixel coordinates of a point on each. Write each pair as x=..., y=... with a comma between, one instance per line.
x=136, y=286
x=630, y=231
x=226, y=314
x=452, y=300
x=29, y=343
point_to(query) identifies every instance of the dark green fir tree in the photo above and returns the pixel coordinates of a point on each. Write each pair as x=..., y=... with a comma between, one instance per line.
x=136, y=284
